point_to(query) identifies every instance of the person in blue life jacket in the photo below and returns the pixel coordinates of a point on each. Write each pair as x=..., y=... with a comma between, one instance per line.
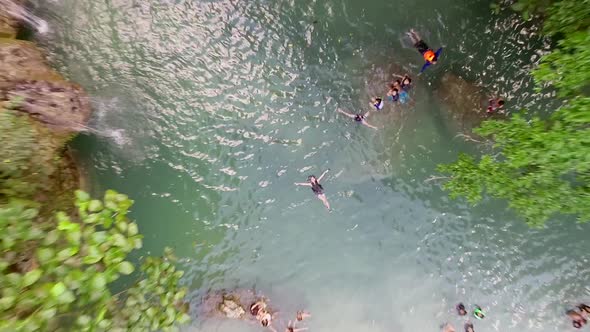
x=430, y=56
x=377, y=103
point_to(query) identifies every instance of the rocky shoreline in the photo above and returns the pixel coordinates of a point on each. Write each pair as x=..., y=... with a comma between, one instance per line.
x=53, y=109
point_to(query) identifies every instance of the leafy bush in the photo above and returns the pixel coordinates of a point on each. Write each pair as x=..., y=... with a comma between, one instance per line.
x=541, y=166
x=544, y=166
x=58, y=275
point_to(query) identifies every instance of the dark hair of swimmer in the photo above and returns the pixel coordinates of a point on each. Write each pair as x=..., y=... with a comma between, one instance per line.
x=409, y=80
x=501, y=102
x=264, y=322
x=290, y=329
x=392, y=86
x=469, y=327
x=584, y=308
x=395, y=90
x=311, y=178
x=254, y=309
x=461, y=309
x=577, y=324
x=398, y=82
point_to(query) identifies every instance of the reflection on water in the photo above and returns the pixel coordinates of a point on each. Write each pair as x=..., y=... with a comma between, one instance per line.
x=225, y=104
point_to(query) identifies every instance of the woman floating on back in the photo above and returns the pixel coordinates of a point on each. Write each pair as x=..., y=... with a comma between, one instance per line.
x=316, y=187
x=430, y=56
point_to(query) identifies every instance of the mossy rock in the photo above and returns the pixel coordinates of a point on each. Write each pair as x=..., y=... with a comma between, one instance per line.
x=34, y=162
x=62, y=106
x=8, y=25
x=23, y=60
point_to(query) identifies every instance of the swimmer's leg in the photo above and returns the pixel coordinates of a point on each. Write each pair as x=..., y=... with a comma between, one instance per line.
x=413, y=36
x=324, y=200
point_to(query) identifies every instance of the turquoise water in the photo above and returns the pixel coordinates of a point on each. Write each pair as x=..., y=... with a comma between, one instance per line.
x=211, y=110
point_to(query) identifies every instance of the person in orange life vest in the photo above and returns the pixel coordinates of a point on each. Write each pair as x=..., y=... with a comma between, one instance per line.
x=430, y=56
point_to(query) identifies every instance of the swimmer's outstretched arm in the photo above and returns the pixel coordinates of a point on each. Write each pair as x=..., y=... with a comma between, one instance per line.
x=347, y=114
x=322, y=176
x=303, y=184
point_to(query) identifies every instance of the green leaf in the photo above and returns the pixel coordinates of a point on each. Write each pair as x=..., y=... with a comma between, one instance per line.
x=58, y=289
x=32, y=277
x=45, y=255
x=6, y=302
x=82, y=196
x=132, y=229
x=126, y=268
x=95, y=206
x=98, y=282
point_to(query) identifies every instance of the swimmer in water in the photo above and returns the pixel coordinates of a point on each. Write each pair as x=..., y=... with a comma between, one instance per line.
x=430, y=56
x=584, y=309
x=316, y=187
x=577, y=320
x=406, y=83
x=478, y=313
x=461, y=309
x=265, y=319
x=256, y=307
x=469, y=327
x=301, y=315
x=393, y=93
x=360, y=118
x=447, y=327
x=291, y=328
x=494, y=105
x=377, y=103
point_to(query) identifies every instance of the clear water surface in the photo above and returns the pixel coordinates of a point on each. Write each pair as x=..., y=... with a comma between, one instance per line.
x=211, y=110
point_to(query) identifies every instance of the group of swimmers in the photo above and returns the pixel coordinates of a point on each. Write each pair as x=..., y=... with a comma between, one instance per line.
x=398, y=92
x=579, y=318
x=259, y=310
x=462, y=311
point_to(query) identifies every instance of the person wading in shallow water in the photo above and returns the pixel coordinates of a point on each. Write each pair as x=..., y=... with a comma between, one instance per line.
x=316, y=187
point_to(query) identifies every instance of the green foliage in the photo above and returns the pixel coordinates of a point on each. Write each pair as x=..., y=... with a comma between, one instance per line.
x=529, y=7
x=541, y=166
x=16, y=155
x=57, y=275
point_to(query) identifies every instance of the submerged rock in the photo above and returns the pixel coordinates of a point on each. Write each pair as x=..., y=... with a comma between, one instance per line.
x=464, y=102
x=231, y=307
x=234, y=304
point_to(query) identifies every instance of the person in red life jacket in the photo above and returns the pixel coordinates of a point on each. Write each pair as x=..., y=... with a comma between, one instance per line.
x=430, y=56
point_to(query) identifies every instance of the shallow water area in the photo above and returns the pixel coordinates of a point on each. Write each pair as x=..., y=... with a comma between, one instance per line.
x=207, y=112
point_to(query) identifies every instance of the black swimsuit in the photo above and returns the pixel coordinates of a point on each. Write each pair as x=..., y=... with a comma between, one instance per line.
x=317, y=188
x=421, y=46
x=358, y=118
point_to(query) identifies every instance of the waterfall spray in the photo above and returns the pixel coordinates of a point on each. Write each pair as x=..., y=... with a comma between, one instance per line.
x=21, y=13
